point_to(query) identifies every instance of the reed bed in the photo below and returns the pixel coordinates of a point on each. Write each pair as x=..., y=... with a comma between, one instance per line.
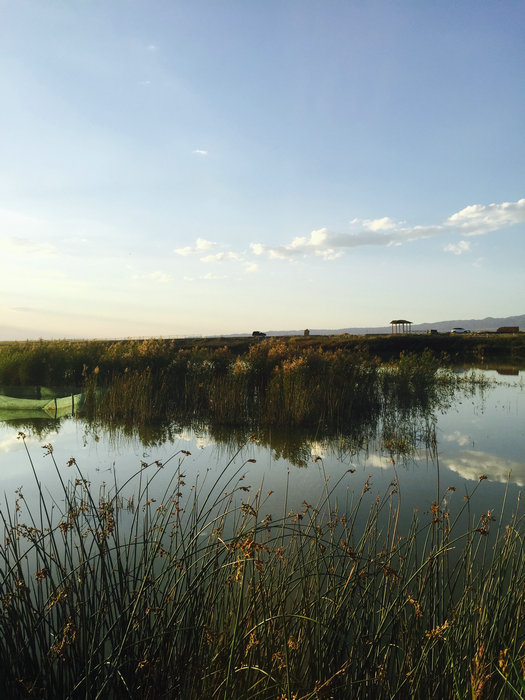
x=275, y=384
x=282, y=383
x=62, y=362
x=198, y=592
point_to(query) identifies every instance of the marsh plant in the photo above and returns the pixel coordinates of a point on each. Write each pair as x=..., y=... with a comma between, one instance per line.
x=275, y=384
x=327, y=384
x=62, y=362
x=215, y=590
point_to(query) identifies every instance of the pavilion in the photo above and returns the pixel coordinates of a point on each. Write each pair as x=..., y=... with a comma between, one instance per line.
x=401, y=326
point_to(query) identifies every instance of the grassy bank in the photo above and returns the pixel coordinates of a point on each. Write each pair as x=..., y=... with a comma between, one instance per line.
x=200, y=593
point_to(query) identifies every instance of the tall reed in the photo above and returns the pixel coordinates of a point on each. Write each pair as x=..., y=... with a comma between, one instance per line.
x=275, y=384
x=198, y=592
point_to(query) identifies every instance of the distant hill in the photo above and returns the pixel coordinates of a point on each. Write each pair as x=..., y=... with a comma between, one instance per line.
x=484, y=324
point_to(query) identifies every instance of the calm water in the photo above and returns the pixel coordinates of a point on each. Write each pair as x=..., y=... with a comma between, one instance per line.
x=479, y=434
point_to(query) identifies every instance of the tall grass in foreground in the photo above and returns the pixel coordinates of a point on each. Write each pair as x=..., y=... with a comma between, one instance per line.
x=198, y=592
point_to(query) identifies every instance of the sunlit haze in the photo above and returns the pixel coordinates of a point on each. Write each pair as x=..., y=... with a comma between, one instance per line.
x=187, y=168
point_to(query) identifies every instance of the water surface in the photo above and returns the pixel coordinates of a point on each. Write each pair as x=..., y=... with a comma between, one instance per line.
x=438, y=457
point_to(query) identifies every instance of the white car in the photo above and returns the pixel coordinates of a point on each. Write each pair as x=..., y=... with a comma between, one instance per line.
x=460, y=330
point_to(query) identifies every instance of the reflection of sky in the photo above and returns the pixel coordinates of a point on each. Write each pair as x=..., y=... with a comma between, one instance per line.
x=481, y=434
x=471, y=463
x=485, y=434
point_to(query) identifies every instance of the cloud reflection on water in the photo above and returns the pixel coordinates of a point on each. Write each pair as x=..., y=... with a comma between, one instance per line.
x=469, y=464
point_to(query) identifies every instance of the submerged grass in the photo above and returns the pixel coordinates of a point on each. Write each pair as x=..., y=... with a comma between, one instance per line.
x=197, y=592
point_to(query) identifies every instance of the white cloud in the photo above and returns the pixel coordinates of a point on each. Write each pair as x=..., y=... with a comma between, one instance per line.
x=383, y=232
x=457, y=248
x=200, y=152
x=317, y=449
x=384, y=224
x=472, y=220
x=13, y=444
x=223, y=256
x=457, y=437
x=220, y=257
x=300, y=245
x=379, y=461
x=331, y=245
x=477, y=219
x=200, y=246
x=471, y=463
x=329, y=254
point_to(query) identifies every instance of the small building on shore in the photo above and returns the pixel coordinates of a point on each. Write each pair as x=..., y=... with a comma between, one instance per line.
x=401, y=326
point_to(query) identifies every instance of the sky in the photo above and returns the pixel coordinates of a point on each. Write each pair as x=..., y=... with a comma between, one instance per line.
x=206, y=167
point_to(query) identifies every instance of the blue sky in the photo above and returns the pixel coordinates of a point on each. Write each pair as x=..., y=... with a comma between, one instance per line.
x=206, y=167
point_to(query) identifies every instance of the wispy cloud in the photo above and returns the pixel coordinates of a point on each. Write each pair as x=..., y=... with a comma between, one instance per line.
x=200, y=246
x=473, y=220
x=478, y=218
x=382, y=232
x=221, y=257
x=457, y=248
x=200, y=152
x=330, y=245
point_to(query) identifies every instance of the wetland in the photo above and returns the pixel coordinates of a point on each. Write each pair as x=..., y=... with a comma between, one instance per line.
x=284, y=519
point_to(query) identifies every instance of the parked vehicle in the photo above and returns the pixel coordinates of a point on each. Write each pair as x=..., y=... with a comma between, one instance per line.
x=460, y=330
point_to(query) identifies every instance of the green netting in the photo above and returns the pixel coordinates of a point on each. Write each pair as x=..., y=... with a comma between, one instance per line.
x=56, y=404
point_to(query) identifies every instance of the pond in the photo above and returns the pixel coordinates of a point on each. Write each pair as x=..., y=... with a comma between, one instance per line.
x=437, y=457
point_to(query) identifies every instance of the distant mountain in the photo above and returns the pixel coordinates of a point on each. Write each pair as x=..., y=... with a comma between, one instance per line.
x=485, y=324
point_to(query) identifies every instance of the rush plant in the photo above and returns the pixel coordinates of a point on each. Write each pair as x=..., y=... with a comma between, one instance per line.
x=132, y=591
